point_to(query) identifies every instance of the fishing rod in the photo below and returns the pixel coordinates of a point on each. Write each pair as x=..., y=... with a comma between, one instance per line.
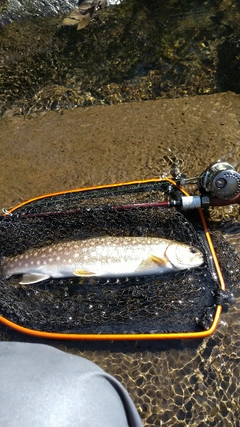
x=218, y=185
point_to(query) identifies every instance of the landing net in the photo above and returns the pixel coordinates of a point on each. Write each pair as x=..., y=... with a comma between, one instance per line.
x=136, y=305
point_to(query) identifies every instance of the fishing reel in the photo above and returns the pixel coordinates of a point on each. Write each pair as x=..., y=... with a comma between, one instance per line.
x=220, y=180
x=219, y=185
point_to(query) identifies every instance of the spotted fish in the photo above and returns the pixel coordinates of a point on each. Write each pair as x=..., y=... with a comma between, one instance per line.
x=102, y=257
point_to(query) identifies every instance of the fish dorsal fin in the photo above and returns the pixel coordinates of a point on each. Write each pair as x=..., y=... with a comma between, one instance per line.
x=31, y=278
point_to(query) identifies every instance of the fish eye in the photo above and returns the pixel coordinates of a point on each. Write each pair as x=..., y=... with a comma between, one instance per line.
x=193, y=250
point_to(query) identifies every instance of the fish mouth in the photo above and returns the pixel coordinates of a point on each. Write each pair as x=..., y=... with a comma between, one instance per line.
x=197, y=259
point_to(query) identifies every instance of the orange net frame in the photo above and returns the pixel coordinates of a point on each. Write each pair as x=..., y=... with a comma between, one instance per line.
x=104, y=208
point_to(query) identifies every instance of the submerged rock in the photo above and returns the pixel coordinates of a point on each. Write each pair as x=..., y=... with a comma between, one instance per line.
x=12, y=10
x=139, y=50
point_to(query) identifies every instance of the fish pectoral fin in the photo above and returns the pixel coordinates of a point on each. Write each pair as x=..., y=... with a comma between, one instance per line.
x=159, y=261
x=84, y=273
x=30, y=278
x=150, y=263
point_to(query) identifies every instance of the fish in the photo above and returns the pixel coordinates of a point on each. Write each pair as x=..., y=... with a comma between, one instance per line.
x=105, y=256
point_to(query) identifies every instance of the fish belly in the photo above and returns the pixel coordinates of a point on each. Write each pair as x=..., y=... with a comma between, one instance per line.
x=125, y=261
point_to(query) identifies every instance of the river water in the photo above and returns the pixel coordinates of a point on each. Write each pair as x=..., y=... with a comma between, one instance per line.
x=79, y=96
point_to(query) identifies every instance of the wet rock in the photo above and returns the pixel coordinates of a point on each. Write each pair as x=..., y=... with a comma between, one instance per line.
x=229, y=64
x=139, y=50
x=12, y=10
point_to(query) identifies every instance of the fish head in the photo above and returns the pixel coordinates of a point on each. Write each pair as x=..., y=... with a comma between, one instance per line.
x=183, y=256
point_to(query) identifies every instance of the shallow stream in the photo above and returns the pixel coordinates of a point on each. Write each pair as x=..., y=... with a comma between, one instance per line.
x=179, y=55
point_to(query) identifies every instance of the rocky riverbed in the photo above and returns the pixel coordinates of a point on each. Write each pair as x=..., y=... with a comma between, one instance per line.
x=68, y=122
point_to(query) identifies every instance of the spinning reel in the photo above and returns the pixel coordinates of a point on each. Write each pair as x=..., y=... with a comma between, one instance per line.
x=219, y=185
x=220, y=180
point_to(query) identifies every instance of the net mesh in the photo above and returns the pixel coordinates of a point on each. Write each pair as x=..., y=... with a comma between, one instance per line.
x=148, y=304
